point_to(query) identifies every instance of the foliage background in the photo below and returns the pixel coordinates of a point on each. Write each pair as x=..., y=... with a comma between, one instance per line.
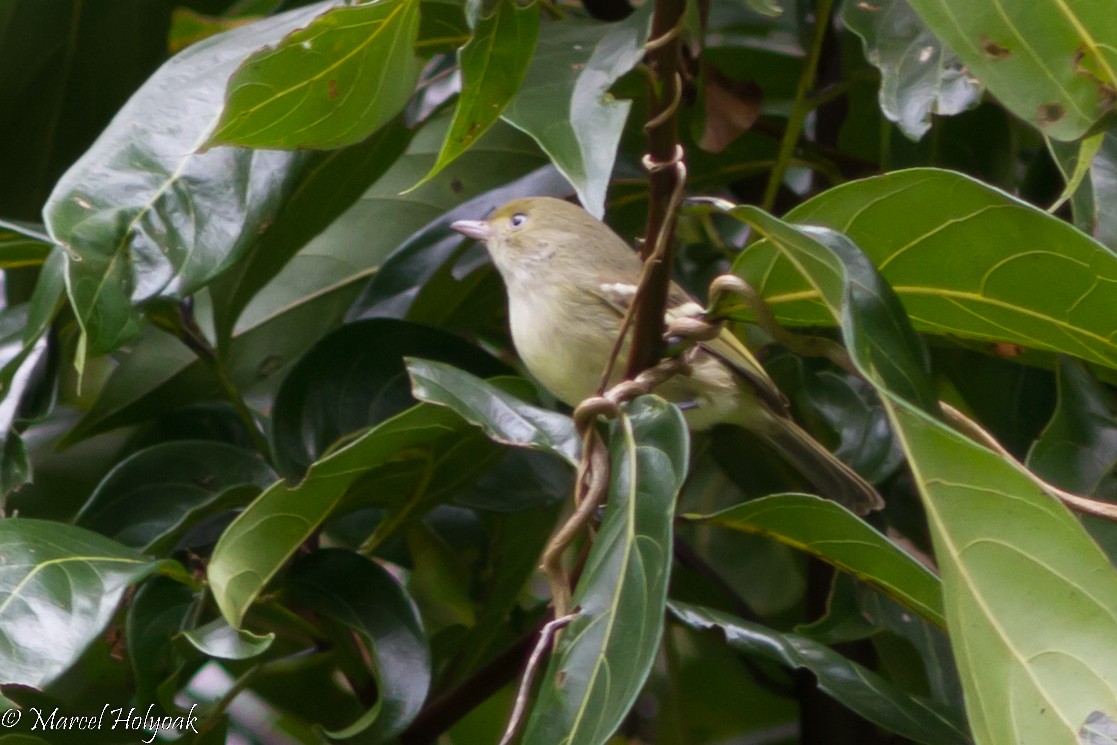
x=267, y=448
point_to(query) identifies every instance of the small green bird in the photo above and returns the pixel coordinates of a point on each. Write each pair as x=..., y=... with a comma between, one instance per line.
x=570, y=279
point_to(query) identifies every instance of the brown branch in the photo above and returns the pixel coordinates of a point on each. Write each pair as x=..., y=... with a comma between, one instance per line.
x=665, y=85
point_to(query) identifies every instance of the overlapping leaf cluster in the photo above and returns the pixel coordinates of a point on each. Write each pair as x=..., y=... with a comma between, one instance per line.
x=264, y=447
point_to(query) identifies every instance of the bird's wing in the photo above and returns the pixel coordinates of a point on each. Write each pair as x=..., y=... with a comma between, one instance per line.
x=726, y=346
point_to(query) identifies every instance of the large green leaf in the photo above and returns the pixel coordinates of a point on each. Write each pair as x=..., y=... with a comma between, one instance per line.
x=920, y=76
x=856, y=687
x=503, y=416
x=965, y=259
x=422, y=453
x=143, y=213
x=1033, y=668
x=312, y=292
x=150, y=498
x=493, y=65
x=837, y=536
x=603, y=657
x=564, y=102
x=362, y=595
x=329, y=84
x=1052, y=64
x=62, y=578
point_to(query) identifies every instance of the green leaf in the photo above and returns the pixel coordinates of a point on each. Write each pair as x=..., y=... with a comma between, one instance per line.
x=493, y=65
x=329, y=84
x=1032, y=670
x=603, y=657
x=920, y=76
x=160, y=609
x=855, y=687
x=353, y=378
x=129, y=209
x=220, y=640
x=1095, y=187
x=965, y=259
x=835, y=535
x=57, y=576
x=149, y=499
x=22, y=244
x=26, y=390
x=330, y=184
x=564, y=103
x=1052, y=65
x=1078, y=448
x=419, y=452
x=504, y=417
x=361, y=594
x=315, y=289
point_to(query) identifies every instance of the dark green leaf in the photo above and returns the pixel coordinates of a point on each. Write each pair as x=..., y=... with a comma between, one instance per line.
x=964, y=259
x=564, y=102
x=493, y=65
x=153, y=496
x=1052, y=65
x=1078, y=448
x=354, y=378
x=130, y=209
x=56, y=576
x=605, y=654
x=160, y=609
x=403, y=454
x=26, y=386
x=218, y=639
x=329, y=84
x=504, y=417
x=361, y=594
x=860, y=689
x=920, y=75
x=22, y=244
x=521, y=480
x=835, y=535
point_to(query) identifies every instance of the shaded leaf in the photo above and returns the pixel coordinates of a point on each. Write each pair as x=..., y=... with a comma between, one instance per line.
x=835, y=535
x=855, y=687
x=143, y=214
x=920, y=75
x=965, y=259
x=159, y=610
x=22, y=245
x=329, y=84
x=149, y=499
x=504, y=417
x=218, y=639
x=564, y=102
x=353, y=378
x=1078, y=448
x=420, y=453
x=1099, y=729
x=57, y=576
x=361, y=594
x=1052, y=65
x=603, y=657
x=493, y=65
x=1091, y=167
x=26, y=389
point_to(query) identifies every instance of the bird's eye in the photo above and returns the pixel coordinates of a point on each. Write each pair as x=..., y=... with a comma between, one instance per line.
x=518, y=219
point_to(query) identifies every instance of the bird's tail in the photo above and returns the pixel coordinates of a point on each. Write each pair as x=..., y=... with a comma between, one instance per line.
x=834, y=479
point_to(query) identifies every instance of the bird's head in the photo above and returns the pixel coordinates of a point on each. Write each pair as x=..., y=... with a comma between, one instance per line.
x=540, y=233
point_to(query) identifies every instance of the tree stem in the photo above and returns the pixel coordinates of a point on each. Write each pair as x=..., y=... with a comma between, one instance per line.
x=664, y=152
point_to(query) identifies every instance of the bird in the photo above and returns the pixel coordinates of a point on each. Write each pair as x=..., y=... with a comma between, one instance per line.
x=570, y=279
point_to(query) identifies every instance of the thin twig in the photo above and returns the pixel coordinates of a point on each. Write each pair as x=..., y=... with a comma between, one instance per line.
x=1085, y=505
x=524, y=691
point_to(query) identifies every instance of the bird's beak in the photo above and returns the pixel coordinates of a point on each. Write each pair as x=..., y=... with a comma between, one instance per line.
x=477, y=229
